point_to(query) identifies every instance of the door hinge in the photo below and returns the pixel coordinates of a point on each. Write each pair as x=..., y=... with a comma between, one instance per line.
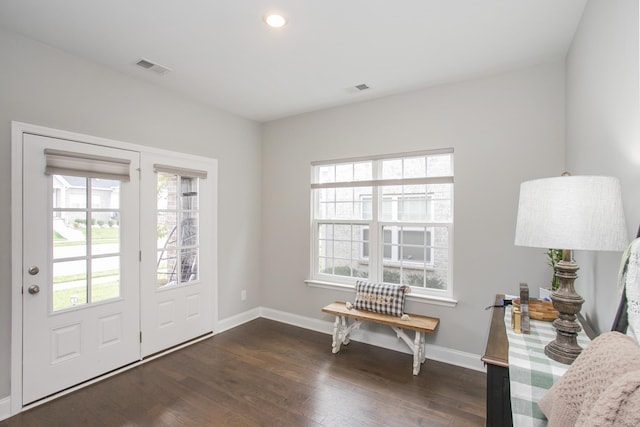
x=140, y=256
x=140, y=336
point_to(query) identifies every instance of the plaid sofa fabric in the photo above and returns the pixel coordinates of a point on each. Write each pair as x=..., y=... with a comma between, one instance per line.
x=380, y=298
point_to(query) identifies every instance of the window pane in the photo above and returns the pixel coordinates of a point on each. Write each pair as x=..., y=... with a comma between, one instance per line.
x=392, y=169
x=365, y=242
x=105, y=193
x=442, y=210
x=440, y=165
x=391, y=275
x=69, y=284
x=167, y=229
x=325, y=231
x=167, y=267
x=189, y=265
x=414, y=278
x=189, y=229
x=389, y=208
x=189, y=193
x=69, y=234
x=415, y=167
x=325, y=248
x=342, y=268
x=69, y=192
x=105, y=278
x=105, y=238
x=344, y=172
x=436, y=280
x=325, y=265
x=362, y=171
x=167, y=191
x=414, y=208
x=344, y=210
x=326, y=174
x=342, y=249
x=344, y=194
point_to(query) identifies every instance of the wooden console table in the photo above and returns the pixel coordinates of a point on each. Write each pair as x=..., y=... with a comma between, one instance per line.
x=511, y=384
x=496, y=358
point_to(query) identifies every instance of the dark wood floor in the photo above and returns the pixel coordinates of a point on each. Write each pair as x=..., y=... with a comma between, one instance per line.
x=266, y=373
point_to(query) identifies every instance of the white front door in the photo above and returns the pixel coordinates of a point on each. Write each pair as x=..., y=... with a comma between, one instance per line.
x=81, y=297
x=178, y=250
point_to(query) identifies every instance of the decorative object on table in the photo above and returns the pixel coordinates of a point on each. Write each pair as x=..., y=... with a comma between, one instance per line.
x=554, y=257
x=516, y=319
x=381, y=298
x=539, y=310
x=574, y=213
x=602, y=387
x=524, y=308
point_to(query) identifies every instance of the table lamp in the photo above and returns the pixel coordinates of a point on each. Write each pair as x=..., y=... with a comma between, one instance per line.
x=570, y=213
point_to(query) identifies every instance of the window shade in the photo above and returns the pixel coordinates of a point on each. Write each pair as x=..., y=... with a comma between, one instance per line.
x=189, y=173
x=60, y=162
x=383, y=182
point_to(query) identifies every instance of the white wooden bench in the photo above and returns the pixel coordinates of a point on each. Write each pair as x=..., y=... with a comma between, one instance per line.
x=419, y=324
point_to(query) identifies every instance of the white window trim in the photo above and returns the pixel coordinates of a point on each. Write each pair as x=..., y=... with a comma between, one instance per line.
x=348, y=283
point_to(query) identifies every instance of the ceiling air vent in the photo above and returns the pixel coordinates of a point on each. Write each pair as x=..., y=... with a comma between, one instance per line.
x=156, y=68
x=362, y=86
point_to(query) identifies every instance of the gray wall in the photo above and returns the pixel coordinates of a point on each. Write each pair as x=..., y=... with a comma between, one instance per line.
x=603, y=131
x=43, y=86
x=505, y=129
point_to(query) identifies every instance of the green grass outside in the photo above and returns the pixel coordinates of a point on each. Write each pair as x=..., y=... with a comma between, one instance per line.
x=82, y=276
x=100, y=292
x=99, y=236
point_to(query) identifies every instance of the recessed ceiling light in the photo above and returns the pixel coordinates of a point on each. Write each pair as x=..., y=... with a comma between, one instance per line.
x=274, y=20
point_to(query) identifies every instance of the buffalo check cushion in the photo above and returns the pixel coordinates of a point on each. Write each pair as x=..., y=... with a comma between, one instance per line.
x=380, y=298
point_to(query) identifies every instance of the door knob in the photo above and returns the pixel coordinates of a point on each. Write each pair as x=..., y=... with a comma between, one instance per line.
x=34, y=289
x=34, y=270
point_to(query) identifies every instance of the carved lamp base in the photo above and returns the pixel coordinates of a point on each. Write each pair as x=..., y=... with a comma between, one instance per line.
x=567, y=302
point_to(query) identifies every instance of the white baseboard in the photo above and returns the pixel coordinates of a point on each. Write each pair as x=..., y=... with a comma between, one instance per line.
x=236, y=320
x=379, y=339
x=5, y=408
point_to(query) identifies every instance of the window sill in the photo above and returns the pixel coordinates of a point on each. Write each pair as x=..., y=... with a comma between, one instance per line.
x=421, y=298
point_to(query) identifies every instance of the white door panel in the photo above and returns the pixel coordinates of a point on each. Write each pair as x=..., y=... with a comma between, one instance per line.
x=84, y=319
x=178, y=259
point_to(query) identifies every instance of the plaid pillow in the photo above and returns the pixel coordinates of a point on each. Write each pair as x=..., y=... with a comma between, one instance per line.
x=380, y=298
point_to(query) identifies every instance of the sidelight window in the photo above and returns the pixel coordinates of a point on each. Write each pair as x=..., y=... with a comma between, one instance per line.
x=177, y=224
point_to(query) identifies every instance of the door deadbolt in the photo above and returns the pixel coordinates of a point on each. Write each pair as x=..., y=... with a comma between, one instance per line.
x=34, y=270
x=34, y=289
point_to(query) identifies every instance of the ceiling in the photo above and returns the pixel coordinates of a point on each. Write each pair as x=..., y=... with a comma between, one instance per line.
x=221, y=52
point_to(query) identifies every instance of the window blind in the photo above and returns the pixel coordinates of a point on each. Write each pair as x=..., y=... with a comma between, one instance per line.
x=189, y=173
x=60, y=162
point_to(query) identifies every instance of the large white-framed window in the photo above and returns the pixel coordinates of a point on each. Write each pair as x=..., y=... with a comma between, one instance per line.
x=385, y=219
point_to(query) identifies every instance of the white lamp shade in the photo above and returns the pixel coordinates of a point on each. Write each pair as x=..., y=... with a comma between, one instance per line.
x=572, y=212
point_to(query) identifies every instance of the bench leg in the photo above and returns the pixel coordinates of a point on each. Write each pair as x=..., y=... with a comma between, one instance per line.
x=346, y=331
x=418, y=352
x=341, y=331
x=416, y=346
x=335, y=345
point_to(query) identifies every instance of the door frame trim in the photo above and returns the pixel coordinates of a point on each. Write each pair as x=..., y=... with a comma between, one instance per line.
x=17, y=131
